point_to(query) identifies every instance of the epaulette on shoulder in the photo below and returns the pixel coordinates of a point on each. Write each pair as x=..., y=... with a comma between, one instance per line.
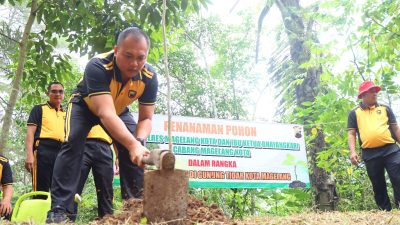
x=3, y=159
x=147, y=73
x=108, y=66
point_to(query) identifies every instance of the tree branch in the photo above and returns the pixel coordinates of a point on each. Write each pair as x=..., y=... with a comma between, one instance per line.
x=263, y=13
x=355, y=62
x=234, y=6
x=166, y=95
x=385, y=28
x=8, y=37
x=192, y=40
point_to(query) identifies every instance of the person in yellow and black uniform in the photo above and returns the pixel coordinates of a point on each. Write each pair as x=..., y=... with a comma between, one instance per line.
x=377, y=131
x=98, y=157
x=44, y=135
x=6, y=181
x=111, y=82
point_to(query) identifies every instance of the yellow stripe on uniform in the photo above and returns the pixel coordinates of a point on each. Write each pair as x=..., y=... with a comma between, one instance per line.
x=99, y=93
x=147, y=103
x=34, y=172
x=67, y=122
x=1, y=170
x=108, y=66
x=3, y=159
x=147, y=73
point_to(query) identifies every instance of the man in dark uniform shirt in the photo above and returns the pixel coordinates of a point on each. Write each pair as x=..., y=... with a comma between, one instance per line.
x=111, y=82
x=44, y=135
x=6, y=186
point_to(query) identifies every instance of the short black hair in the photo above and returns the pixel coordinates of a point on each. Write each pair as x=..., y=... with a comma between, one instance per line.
x=54, y=82
x=136, y=32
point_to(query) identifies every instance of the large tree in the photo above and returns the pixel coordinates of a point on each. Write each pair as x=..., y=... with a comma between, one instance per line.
x=306, y=83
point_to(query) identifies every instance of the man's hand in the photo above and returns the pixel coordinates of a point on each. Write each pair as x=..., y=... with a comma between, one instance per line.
x=5, y=207
x=137, y=153
x=354, y=158
x=29, y=162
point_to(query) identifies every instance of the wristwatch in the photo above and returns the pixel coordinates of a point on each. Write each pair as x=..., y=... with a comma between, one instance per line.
x=142, y=141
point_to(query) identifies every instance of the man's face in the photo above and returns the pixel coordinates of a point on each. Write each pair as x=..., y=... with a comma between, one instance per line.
x=56, y=94
x=370, y=97
x=131, y=55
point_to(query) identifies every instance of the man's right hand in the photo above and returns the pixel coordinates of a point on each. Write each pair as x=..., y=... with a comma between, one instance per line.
x=354, y=158
x=137, y=153
x=29, y=162
x=5, y=207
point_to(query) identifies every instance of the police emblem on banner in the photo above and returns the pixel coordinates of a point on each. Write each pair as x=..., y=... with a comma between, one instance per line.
x=131, y=93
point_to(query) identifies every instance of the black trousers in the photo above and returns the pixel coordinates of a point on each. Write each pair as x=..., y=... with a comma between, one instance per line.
x=376, y=173
x=67, y=169
x=131, y=176
x=98, y=158
x=45, y=156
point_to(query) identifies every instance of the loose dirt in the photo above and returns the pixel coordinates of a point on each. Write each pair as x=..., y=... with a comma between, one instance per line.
x=200, y=213
x=197, y=212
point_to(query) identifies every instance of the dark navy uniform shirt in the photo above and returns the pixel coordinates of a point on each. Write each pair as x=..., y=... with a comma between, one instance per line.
x=5, y=172
x=102, y=76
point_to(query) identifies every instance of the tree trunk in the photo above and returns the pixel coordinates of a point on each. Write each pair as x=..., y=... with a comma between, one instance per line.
x=7, y=120
x=306, y=92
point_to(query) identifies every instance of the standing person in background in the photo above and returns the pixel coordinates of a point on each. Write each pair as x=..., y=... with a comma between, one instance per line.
x=377, y=131
x=111, y=82
x=6, y=181
x=98, y=157
x=44, y=135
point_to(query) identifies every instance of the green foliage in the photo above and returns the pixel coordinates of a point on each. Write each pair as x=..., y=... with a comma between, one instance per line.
x=286, y=201
x=198, y=82
x=240, y=203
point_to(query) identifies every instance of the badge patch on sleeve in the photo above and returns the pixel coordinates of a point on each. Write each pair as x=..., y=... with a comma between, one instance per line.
x=131, y=93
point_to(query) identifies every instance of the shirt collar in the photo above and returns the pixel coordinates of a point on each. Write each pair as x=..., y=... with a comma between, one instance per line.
x=364, y=106
x=52, y=107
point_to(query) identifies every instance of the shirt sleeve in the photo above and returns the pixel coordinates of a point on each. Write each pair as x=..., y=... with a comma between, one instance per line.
x=352, y=120
x=391, y=116
x=95, y=77
x=149, y=96
x=35, y=117
x=6, y=177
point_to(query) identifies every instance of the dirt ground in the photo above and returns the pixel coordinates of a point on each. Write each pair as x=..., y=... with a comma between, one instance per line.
x=330, y=218
x=199, y=213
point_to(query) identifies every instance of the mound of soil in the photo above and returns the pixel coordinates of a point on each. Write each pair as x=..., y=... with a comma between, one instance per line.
x=197, y=212
x=200, y=213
